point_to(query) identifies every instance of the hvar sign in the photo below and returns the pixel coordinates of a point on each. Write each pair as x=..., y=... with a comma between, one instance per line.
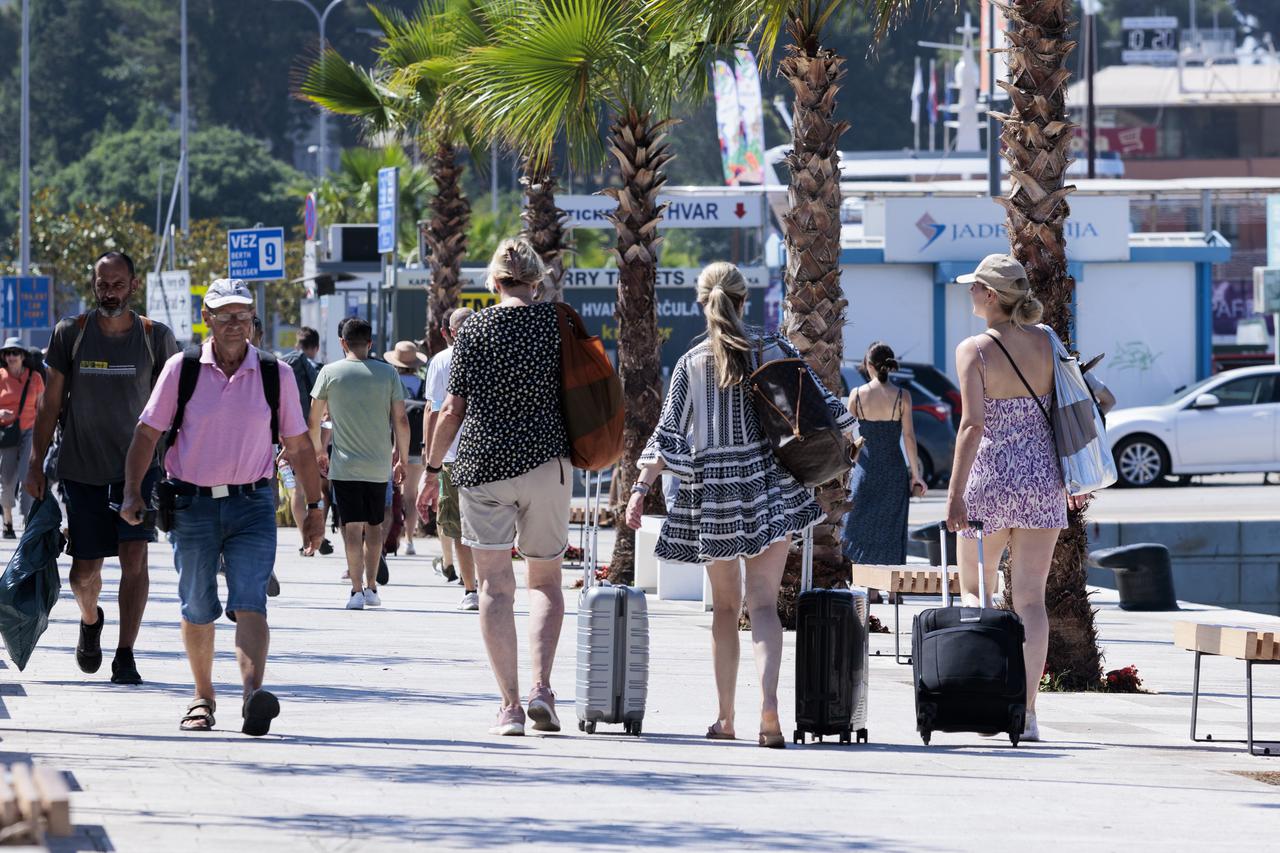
x=703, y=211
x=968, y=229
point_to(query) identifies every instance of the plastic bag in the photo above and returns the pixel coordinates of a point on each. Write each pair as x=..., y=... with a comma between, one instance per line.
x=30, y=583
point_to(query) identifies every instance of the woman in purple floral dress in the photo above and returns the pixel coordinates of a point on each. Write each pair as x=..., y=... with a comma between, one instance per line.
x=1006, y=471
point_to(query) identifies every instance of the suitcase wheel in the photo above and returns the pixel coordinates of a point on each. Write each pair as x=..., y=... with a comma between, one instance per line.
x=799, y=736
x=590, y=727
x=582, y=725
x=846, y=736
x=862, y=735
x=1014, y=737
x=632, y=728
x=925, y=734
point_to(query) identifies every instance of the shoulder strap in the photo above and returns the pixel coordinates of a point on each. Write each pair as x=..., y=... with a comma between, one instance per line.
x=268, y=366
x=857, y=404
x=22, y=403
x=897, y=406
x=81, y=322
x=187, y=380
x=148, y=330
x=1018, y=371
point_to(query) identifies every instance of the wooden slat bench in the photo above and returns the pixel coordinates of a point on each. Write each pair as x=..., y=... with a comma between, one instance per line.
x=1251, y=645
x=34, y=801
x=900, y=581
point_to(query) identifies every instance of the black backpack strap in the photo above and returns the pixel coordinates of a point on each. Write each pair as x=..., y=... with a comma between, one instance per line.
x=186, y=387
x=269, y=367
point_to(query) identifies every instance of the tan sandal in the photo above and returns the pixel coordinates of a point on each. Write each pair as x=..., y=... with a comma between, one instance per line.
x=199, y=716
x=716, y=732
x=773, y=740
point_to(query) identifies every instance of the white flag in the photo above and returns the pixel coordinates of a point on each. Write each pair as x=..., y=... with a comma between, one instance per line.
x=917, y=89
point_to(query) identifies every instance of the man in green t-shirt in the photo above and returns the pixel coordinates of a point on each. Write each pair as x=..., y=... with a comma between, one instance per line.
x=365, y=401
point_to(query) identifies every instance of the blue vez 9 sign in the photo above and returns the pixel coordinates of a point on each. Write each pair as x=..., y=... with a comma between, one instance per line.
x=968, y=229
x=255, y=254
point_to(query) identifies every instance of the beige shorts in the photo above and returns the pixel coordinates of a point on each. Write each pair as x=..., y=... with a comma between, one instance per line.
x=530, y=512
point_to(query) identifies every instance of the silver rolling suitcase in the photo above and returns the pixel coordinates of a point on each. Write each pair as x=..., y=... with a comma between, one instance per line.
x=613, y=641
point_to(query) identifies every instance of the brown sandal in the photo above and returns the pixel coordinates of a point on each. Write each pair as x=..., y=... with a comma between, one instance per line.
x=773, y=740
x=715, y=732
x=199, y=715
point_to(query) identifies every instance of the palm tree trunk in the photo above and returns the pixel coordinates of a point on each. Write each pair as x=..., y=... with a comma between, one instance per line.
x=446, y=236
x=1037, y=137
x=544, y=228
x=638, y=143
x=814, y=299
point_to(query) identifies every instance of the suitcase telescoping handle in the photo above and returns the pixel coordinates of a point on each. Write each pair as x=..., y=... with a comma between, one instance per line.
x=946, y=579
x=806, y=559
x=592, y=523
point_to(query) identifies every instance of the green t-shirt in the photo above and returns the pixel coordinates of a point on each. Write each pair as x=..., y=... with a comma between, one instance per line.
x=360, y=394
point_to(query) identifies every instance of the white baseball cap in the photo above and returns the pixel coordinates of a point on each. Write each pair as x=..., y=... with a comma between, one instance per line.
x=227, y=291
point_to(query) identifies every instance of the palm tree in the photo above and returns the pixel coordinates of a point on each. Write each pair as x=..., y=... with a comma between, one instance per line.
x=553, y=72
x=397, y=97
x=351, y=193
x=544, y=226
x=1037, y=138
x=814, y=300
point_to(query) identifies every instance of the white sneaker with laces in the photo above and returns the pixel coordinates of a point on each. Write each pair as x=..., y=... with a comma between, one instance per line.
x=1030, y=729
x=371, y=598
x=409, y=550
x=356, y=601
x=470, y=601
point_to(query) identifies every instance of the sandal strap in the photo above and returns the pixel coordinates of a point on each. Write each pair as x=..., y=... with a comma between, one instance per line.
x=209, y=704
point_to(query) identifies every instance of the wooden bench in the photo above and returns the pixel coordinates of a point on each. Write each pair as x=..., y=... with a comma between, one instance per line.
x=1251, y=645
x=33, y=801
x=900, y=581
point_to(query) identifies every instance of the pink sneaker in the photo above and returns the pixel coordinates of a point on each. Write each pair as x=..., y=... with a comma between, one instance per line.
x=542, y=709
x=510, y=722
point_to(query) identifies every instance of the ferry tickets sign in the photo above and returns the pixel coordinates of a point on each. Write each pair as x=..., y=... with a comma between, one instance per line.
x=473, y=278
x=928, y=229
x=683, y=211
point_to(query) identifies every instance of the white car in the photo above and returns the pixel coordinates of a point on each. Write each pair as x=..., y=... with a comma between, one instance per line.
x=1228, y=423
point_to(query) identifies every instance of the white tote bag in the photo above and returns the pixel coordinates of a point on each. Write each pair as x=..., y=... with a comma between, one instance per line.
x=1078, y=429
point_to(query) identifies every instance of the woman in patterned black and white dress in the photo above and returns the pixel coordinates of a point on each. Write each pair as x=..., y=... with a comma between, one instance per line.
x=734, y=500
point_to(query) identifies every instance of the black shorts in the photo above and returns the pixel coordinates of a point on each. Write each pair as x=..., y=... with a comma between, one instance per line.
x=94, y=530
x=359, y=502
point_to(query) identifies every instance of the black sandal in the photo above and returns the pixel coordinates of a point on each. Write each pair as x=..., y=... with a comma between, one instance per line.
x=258, y=712
x=199, y=711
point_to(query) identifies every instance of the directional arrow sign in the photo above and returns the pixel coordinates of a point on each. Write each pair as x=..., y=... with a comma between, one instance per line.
x=28, y=301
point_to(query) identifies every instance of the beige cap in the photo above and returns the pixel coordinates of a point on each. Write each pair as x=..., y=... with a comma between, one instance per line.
x=1002, y=273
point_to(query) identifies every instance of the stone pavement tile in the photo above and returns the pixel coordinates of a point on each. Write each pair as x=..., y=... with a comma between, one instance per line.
x=382, y=745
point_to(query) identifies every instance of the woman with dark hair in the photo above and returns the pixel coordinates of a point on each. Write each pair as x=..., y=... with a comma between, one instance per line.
x=736, y=505
x=875, y=530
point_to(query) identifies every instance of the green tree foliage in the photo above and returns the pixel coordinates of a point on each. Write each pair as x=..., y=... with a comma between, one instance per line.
x=351, y=193
x=233, y=177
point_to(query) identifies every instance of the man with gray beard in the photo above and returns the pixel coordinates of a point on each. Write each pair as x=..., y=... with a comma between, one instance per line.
x=102, y=366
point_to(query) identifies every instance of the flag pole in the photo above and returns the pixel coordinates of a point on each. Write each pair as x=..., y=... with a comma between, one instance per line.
x=917, y=89
x=933, y=92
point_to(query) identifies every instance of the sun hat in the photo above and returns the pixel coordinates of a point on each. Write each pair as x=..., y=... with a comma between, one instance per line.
x=406, y=354
x=1001, y=273
x=13, y=344
x=227, y=291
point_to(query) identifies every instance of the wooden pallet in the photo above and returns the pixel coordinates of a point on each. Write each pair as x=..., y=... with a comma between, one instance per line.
x=34, y=801
x=578, y=515
x=1227, y=641
x=906, y=580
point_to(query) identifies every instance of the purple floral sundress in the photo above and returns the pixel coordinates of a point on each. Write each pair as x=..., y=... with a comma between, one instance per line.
x=1016, y=481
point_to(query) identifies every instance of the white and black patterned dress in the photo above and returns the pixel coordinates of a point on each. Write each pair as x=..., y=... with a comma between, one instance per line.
x=734, y=499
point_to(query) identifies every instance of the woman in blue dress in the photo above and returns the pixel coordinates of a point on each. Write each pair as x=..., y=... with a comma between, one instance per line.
x=875, y=530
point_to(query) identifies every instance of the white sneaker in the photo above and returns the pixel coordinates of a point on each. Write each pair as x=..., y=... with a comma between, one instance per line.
x=371, y=598
x=356, y=601
x=1030, y=730
x=409, y=550
x=470, y=601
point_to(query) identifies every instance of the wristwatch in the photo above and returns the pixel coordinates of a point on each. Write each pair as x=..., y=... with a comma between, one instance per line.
x=315, y=505
x=433, y=469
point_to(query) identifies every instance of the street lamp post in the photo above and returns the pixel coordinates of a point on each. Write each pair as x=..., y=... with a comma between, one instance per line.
x=183, y=159
x=24, y=242
x=321, y=18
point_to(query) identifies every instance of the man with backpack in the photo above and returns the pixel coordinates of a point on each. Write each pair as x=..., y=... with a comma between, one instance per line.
x=101, y=369
x=365, y=400
x=225, y=406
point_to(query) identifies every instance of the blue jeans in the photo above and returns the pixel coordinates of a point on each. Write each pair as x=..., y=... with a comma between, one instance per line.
x=238, y=531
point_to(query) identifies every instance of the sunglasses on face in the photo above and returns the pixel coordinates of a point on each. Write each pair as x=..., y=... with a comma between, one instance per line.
x=231, y=317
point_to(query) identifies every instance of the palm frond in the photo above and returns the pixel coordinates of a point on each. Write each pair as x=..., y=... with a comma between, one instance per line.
x=345, y=88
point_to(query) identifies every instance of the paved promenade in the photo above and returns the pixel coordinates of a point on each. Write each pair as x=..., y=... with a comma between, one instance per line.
x=382, y=745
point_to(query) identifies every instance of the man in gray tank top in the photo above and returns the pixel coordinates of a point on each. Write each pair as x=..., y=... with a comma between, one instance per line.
x=102, y=366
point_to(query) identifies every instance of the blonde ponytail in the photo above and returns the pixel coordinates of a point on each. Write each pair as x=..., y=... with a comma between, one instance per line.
x=1027, y=312
x=722, y=293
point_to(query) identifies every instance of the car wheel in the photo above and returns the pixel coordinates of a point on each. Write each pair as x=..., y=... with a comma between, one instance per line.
x=926, y=469
x=1141, y=461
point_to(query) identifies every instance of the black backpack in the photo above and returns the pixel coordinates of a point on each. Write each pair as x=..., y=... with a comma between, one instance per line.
x=792, y=410
x=268, y=370
x=415, y=408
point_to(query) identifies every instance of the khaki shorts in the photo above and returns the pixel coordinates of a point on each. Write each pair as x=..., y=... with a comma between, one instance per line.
x=533, y=507
x=448, y=513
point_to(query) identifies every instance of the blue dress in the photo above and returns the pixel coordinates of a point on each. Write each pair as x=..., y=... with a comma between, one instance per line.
x=875, y=530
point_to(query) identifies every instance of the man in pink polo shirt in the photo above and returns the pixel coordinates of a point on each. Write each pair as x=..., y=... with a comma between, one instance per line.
x=220, y=466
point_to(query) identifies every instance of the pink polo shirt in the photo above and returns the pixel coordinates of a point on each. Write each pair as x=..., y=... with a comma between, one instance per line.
x=226, y=430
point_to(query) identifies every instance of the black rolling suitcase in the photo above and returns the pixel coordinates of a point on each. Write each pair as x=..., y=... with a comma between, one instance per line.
x=968, y=667
x=832, y=650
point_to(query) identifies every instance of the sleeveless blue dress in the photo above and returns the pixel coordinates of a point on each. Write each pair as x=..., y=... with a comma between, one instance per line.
x=875, y=530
